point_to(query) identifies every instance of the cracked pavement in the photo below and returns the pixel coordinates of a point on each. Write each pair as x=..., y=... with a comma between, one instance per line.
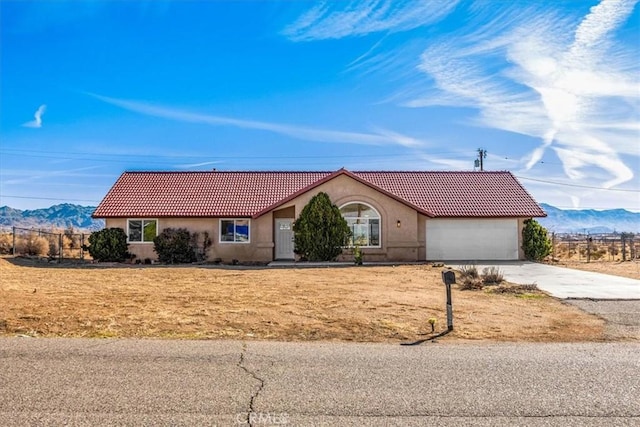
x=220, y=383
x=251, y=410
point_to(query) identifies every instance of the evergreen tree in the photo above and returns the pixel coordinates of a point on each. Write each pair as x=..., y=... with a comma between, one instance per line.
x=535, y=242
x=108, y=245
x=320, y=231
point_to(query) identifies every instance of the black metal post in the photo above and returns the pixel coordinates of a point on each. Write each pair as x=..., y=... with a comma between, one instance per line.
x=449, y=278
x=449, y=308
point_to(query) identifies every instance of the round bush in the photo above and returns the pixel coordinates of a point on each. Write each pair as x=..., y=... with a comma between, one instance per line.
x=108, y=245
x=174, y=246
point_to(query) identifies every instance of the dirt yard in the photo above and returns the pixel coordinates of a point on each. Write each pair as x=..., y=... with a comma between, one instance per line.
x=629, y=269
x=366, y=304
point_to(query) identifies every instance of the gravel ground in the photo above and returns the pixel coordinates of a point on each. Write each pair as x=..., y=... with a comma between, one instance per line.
x=622, y=316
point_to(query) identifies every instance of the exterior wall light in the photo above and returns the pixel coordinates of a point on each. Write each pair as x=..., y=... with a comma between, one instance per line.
x=398, y=224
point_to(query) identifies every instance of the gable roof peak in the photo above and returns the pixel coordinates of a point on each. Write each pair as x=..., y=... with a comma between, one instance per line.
x=253, y=193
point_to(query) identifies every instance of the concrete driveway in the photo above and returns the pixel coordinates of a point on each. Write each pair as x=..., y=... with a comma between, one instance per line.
x=564, y=282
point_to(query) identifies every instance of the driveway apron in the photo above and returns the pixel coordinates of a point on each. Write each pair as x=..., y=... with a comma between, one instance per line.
x=564, y=282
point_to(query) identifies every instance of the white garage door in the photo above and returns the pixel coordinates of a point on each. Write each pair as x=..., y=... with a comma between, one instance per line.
x=472, y=239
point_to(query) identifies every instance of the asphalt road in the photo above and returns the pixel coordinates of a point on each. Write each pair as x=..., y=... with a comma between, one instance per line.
x=151, y=382
x=622, y=317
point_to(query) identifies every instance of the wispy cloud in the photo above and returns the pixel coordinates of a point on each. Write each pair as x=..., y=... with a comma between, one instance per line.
x=554, y=188
x=198, y=165
x=364, y=17
x=553, y=77
x=545, y=71
x=382, y=137
x=33, y=175
x=37, y=118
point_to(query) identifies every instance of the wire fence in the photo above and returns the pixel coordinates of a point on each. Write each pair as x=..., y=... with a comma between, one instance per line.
x=54, y=244
x=68, y=244
x=596, y=247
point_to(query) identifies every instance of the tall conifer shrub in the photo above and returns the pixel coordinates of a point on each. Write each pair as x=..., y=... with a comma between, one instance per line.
x=535, y=242
x=320, y=232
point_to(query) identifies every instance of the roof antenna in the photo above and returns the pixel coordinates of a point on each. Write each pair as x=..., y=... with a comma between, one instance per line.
x=482, y=154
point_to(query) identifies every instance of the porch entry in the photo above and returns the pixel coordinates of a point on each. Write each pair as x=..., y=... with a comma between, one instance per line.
x=284, y=238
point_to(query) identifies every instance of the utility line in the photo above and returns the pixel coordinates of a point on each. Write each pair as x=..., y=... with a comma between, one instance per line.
x=577, y=185
x=598, y=208
x=213, y=159
x=49, y=198
x=195, y=156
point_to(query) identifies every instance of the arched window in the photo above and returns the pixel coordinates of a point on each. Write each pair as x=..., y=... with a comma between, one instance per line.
x=364, y=222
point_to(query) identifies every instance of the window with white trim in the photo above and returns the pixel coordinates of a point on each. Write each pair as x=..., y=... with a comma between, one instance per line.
x=142, y=230
x=364, y=222
x=234, y=230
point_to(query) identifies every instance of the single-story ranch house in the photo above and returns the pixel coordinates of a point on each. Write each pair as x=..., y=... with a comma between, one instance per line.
x=394, y=216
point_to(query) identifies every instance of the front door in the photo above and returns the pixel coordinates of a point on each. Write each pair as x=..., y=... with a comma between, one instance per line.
x=284, y=238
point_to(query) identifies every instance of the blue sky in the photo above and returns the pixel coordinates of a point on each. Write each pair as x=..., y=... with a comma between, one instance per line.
x=550, y=89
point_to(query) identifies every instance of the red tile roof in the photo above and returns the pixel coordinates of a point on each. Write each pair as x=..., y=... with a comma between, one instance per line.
x=459, y=194
x=250, y=194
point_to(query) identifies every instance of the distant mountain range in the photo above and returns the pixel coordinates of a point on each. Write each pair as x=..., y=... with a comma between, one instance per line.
x=58, y=216
x=589, y=220
x=558, y=220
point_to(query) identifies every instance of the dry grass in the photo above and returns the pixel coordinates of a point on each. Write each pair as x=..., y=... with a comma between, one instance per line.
x=574, y=256
x=604, y=251
x=372, y=304
x=630, y=269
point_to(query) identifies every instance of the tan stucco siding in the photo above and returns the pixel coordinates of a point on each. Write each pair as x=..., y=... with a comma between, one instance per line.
x=259, y=248
x=406, y=242
x=403, y=243
x=289, y=212
x=397, y=243
x=422, y=234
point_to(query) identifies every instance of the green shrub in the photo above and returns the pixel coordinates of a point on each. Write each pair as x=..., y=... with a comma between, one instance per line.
x=174, y=246
x=108, y=245
x=357, y=255
x=320, y=232
x=535, y=242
